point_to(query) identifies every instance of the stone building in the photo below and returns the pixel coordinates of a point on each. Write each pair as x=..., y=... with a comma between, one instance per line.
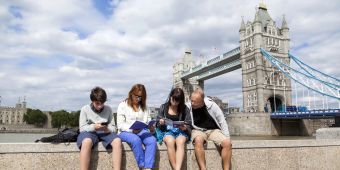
x=226, y=109
x=13, y=115
x=153, y=112
x=190, y=84
x=263, y=83
x=263, y=86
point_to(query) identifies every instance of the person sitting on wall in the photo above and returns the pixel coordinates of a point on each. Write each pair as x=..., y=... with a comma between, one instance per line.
x=129, y=111
x=175, y=137
x=208, y=124
x=96, y=124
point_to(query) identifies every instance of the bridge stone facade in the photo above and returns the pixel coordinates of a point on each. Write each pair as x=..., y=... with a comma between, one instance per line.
x=264, y=88
x=188, y=85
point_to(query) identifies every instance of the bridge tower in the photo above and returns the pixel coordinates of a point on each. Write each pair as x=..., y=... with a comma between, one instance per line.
x=264, y=88
x=188, y=85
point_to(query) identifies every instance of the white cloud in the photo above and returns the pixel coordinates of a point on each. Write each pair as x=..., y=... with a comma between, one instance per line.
x=139, y=43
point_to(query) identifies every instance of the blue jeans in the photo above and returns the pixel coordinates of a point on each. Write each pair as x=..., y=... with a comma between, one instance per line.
x=145, y=159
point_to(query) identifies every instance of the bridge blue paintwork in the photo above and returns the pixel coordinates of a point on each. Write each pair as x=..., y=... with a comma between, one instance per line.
x=311, y=114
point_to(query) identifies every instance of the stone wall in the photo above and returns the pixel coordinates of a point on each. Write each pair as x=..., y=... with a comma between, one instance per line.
x=250, y=124
x=247, y=154
x=260, y=124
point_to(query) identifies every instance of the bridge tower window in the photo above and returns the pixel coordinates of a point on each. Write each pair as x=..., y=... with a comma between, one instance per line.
x=267, y=41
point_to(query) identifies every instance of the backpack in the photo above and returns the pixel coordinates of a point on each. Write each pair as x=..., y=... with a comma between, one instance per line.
x=65, y=135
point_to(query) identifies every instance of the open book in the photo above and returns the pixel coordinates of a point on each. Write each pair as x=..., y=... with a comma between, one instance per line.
x=141, y=125
x=174, y=123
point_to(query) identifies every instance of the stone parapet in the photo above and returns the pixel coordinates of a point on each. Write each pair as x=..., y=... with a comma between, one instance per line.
x=328, y=133
x=247, y=154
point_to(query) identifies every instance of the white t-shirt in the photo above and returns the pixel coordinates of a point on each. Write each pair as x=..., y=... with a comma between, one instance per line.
x=126, y=116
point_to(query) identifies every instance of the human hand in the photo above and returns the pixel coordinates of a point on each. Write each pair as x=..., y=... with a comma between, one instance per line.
x=106, y=129
x=99, y=126
x=183, y=127
x=161, y=121
x=152, y=128
x=136, y=131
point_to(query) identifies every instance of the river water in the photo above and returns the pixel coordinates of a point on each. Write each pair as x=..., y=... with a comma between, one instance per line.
x=31, y=137
x=21, y=137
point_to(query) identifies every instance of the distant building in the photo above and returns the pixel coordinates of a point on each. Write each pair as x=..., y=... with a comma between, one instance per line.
x=153, y=112
x=13, y=115
x=233, y=110
x=226, y=109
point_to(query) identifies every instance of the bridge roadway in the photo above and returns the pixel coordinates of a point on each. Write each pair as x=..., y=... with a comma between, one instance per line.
x=311, y=114
x=227, y=62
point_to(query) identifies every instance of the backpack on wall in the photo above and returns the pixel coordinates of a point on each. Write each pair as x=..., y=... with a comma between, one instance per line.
x=65, y=135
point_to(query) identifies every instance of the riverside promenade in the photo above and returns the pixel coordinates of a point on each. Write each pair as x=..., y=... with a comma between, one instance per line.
x=308, y=154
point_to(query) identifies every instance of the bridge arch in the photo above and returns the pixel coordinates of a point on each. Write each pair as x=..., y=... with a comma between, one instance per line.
x=274, y=103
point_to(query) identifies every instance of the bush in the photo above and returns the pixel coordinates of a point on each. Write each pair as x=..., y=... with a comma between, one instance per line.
x=63, y=118
x=35, y=117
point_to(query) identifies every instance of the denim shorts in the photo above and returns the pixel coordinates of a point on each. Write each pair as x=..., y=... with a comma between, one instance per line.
x=175, y=132
x=105, y=138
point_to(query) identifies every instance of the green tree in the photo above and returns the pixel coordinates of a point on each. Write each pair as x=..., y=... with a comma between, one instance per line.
x=35, y=117
x=63, y=118
x=74, y=119
x=59, y=118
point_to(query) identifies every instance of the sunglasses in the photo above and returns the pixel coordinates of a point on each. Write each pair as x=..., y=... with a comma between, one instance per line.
x=138, y=96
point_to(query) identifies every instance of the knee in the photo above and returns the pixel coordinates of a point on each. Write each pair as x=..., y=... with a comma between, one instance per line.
x=151, y=141
x=180, y=141
x=136, y=141
x=226, y=144
x=199, y=141
x=117, y=142
x=87, y=143
x=169, y=140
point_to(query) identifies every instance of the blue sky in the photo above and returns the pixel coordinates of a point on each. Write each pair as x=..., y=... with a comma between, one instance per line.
x=54, y=52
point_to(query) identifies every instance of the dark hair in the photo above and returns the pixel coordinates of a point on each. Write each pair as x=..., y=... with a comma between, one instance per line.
x=135, y=89
x=178, y=95
x=98, y=94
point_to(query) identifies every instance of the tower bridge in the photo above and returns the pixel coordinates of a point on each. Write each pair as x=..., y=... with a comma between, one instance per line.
x=263, y=55
x=258, y=82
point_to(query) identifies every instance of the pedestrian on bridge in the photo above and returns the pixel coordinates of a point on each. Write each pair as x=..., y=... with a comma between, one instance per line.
x=208, y=124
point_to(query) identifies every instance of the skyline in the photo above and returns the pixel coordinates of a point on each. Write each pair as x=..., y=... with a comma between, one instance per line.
x=63, y=49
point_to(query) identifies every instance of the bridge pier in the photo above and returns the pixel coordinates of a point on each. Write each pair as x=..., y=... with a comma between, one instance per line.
x=336, y=122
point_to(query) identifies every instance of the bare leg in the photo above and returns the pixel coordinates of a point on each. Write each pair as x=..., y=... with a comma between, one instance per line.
x=170, y=144
x=85, y=154
x=226, y=154
x=199, y=152
x=180, y=141
x=116, y=153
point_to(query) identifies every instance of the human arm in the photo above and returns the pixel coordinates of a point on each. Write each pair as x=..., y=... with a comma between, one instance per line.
x=161, y=118
x=85, y=124
x=220, y=119
x=188, y=121
x=121, y=118
x=111, y=126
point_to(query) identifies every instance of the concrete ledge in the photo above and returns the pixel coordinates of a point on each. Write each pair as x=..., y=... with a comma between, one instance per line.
x=328, y=133
x=247, y=154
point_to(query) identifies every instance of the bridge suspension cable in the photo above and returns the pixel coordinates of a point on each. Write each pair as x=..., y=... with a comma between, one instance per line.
x=316, y=73
x=308, y=80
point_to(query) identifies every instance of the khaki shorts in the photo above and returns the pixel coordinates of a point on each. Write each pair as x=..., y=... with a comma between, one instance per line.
x=214, y=135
